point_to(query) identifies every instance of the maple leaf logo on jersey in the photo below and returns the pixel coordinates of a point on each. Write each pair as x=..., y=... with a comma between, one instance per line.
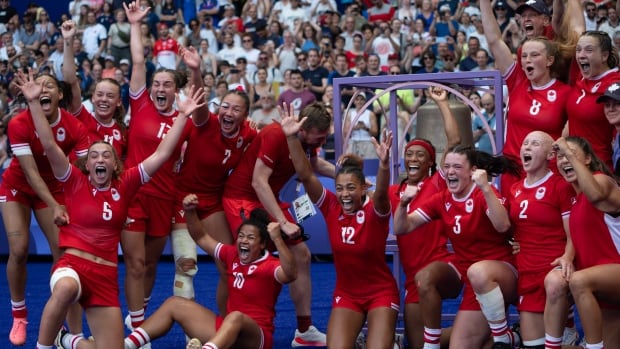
x=235, y=265
x=116, y=134
x=448, y=205
x=552, y=95
x=469, y=205
x=360, y=217
x=239, y=142
x=540, y=193
x=252, y=269
x=115, y=195
x=61, y=134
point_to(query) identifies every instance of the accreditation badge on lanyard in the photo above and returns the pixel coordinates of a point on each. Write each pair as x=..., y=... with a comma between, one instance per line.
x=303, y=208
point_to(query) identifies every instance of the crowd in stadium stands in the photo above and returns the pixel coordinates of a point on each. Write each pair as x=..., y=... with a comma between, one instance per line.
x=559, y=61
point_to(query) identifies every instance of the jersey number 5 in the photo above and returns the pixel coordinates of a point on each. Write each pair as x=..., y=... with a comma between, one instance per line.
x=107, y=211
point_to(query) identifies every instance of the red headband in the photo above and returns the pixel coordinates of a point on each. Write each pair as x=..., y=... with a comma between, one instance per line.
x=427, y=146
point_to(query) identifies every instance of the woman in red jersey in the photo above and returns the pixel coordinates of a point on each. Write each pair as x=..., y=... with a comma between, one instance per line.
x=254, y=277
x=595, y=231
x=28, y=185
x=421, y=249
x=226, y=134
x=476, y=222
x=598, y=60
x=539, y=208
x=87, y=271
x=150, y=215
x=106, y=123
x=537, y=99
x=357, y=225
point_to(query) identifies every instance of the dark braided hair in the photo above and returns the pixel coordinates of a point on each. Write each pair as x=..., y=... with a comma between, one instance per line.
x=259, y=218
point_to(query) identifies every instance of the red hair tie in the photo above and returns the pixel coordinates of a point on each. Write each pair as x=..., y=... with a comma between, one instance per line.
x=427, y=146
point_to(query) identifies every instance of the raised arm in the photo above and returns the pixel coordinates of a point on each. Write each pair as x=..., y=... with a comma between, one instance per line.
x=166, y=147
x=497, y=213
x=288, y=268
x=600, y=189
x=451, y=128
x=135, y=14
x=68, y=29
x=304, y=170
x=499, y=49
x=32, y=92
x=192, y=59
x=576, y=21
x=323, y=167
x=432, y=28
x=380, y=196
x=195, y=227
x=558, y=15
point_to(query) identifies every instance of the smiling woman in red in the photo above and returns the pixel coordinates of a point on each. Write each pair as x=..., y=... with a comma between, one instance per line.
x=28, y=185
x=254, y=278
x=595, y=231
x=429, y=244
x=537, y=98
x=87, y=271
x=357, y=225
x=476, y=222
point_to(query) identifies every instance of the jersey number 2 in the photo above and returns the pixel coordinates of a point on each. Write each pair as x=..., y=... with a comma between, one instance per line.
x=523, y=204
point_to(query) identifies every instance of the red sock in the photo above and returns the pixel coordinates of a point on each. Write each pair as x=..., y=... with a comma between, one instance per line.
x=137, y=318
x=19, y=310
x=139, y=337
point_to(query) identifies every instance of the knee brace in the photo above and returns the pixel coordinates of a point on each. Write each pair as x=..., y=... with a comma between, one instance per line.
x=63, y=273
x=183, y=247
